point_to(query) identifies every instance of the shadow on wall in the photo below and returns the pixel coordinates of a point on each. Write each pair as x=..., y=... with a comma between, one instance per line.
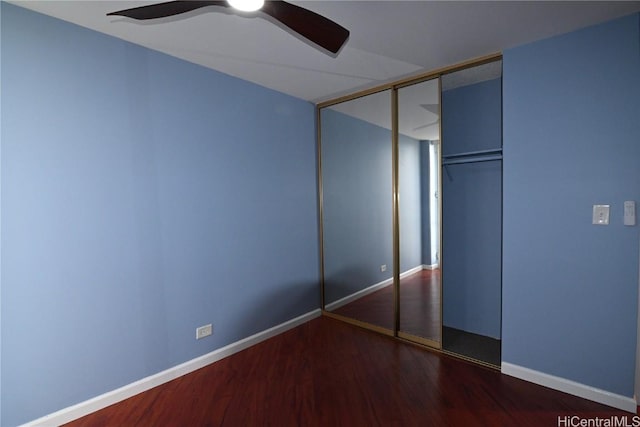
x=275, y=308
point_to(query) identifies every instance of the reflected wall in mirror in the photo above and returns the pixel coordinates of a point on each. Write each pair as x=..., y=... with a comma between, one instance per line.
x=472, y=212
x=356, y=174
x=418, y=212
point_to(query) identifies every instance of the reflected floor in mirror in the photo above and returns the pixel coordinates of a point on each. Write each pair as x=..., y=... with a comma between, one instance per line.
x=419, y=306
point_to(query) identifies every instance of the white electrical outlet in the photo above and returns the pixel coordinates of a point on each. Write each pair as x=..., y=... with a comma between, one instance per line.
x=383, y=267
x=204, y=331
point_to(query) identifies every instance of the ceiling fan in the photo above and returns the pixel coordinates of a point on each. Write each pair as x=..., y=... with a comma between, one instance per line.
x=316, y=28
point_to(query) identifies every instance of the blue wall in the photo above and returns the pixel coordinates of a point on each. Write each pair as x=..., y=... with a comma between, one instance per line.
x=142, y=196
x=357, y=209
x=571, y=140
x=472, y=117
x=472, y=210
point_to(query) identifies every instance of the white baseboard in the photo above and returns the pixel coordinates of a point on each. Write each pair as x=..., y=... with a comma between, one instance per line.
x=366, y=291
x=81, y=409
x=411, y=271
x=354, y=296
x=577, y=389
x=430, y=266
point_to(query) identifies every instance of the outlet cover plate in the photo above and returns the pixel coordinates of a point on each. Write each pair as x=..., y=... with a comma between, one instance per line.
x=204, y=331
x=601, y=214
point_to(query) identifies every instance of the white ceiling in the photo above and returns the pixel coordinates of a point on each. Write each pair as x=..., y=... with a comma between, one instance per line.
x=389, y=39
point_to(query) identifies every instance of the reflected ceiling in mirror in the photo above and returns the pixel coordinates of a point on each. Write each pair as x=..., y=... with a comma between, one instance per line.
x=419, y=118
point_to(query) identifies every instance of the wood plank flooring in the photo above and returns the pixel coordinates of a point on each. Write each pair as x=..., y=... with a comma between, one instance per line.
x=329, y=373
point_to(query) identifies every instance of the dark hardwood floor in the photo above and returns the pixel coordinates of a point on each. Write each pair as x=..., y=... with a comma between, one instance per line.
x=330, y=373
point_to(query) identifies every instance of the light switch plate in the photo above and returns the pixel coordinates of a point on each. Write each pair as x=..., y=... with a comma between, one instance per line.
x=601, y=214
x=629, y=212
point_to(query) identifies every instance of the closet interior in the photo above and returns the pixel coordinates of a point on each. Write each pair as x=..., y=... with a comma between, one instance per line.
x=472, y=212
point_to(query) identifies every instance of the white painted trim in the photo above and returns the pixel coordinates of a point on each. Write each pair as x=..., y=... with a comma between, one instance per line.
x=430, y=267
x=411, y=271
x=81, y=409
x=366, y=291
x=354, y=296
x=577, y=389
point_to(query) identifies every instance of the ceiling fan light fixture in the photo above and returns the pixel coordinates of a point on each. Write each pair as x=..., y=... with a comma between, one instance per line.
x=246, y=5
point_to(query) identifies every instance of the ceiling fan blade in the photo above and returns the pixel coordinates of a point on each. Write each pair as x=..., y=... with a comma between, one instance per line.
x=320, y=30
x=162, y=10
x=316, y=28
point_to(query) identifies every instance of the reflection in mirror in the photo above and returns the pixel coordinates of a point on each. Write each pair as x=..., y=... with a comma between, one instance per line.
x=472, y=212
x=356, y=161
x=418, y=143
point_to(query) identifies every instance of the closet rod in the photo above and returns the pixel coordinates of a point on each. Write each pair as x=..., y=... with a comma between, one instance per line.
x=446, y=162
x=473, y=153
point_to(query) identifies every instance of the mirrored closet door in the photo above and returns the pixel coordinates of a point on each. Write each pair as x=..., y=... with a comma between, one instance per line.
x=356, y=205
x=418, y=212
